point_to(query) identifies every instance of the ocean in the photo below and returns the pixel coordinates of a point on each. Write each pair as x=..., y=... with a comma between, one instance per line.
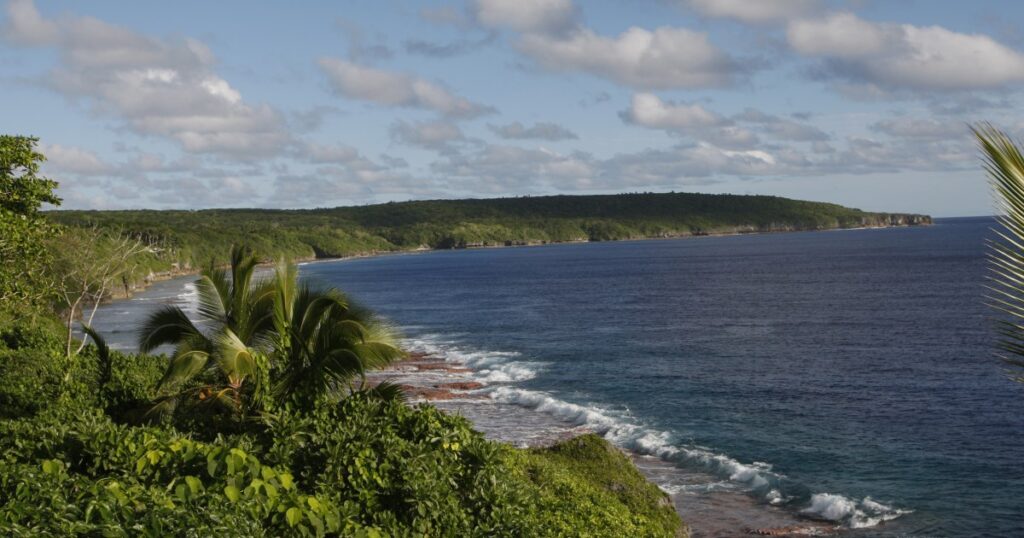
x=834, y=382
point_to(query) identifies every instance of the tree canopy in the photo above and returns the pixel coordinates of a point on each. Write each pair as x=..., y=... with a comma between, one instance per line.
x=22, y=229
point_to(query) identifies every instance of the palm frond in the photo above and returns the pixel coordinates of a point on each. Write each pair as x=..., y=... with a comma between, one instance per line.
x=167, y=325
x=102, y=354
x=186, y=363
x=386, y=391
x=211, y=288
x=1004, y=164
x=234, y=358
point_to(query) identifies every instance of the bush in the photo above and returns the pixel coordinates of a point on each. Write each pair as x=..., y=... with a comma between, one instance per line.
x=29, y=382
x=585, y=485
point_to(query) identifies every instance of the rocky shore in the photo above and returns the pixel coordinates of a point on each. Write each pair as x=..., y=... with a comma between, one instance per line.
x=427, y=378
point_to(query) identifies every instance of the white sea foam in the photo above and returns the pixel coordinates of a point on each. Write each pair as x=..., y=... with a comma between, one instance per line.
x=188, y=299
x=756, y=477
x=856, y=514
x=488, y=367
x=503, y=368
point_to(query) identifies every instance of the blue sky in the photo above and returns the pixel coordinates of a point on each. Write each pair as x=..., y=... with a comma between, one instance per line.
x=243, y=104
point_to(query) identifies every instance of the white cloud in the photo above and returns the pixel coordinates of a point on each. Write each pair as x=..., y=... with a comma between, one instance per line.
x=334, y=153
x=538, y=131
x=396, y=89
x=26, y=26
x=427, y=134
x=649, y=110
x=902, y=56
x=501, y=169
x=542, y=16
x=660, y=59
x=756, y=12
x=73, y=160
x=166, y=88
x=692, y=120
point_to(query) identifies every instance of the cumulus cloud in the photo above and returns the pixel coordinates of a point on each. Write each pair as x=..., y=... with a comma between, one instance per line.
x=538, y=131
x=435, y=135
x=693, y=120
x=332, y=186
x=540, y=16
x=903, y=56
x=330, y=153
x=758, y=12
x=501, y=169
x=661, y=59
x=166, y=88
x=396, y=89
x=73, y=160
x=26, y=26
x=649, y=110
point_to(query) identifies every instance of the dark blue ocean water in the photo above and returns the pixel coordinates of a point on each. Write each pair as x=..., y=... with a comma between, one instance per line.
x=844, y=376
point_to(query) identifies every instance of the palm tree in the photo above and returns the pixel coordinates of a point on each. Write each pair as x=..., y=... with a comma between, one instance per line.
x=236, y=313
x=272, y=340
x=1005, y=166
x=326, y=344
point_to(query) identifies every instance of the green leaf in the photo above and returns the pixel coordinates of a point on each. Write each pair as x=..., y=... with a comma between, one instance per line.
x=232, y=493
x=52, y=466
x=294, y=516
x=194, y=484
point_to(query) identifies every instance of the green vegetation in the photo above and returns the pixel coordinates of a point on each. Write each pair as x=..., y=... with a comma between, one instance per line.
x=192, y=238
x=1005, y=166
x=75, y=459
x=22, y=229
x=258, y=423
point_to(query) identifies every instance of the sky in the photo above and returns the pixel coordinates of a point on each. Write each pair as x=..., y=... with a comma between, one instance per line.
x=197, y=104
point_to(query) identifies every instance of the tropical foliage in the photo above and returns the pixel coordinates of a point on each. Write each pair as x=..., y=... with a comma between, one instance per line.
x=22, y=229
x=1005, y=166
x=266, y=341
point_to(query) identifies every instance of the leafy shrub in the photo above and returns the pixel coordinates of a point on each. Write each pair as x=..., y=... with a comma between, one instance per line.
x=99, y=477
x=365, y=467
x=403, y=469
x=29, y=382
x=586, y=486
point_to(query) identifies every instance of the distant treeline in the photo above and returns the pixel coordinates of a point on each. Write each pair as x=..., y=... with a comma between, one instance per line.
x=193, y=238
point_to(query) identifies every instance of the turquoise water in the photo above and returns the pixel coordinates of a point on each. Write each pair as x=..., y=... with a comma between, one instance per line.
x=837, y=377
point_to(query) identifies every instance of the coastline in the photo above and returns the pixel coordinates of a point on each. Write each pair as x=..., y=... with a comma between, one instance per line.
x=170, y=274
x=483, y=389
x=461, y=386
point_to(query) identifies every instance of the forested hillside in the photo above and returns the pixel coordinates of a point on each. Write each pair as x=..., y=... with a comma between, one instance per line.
x=195, y=237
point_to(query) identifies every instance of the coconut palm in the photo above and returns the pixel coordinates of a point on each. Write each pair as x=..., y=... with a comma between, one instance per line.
x=267, y=340
x=322, y=342
x=1005, y=166
x=235, y=313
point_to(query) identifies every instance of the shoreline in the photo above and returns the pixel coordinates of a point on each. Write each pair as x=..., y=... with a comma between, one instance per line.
x=171, y=274
x=456, y=387
x=421, y=250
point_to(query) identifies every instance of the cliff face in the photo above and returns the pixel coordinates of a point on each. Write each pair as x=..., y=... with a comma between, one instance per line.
x=895, y=219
